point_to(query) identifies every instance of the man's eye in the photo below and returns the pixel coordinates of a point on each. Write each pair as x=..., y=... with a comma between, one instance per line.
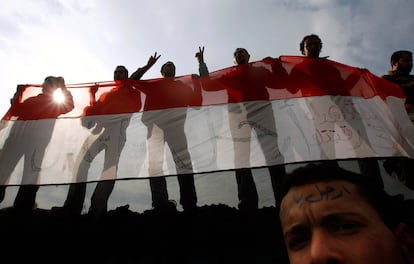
x=348, y=227
x=297, y=242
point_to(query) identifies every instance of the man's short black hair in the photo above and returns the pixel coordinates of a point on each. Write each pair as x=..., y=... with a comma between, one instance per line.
x=239, y=49
x=165, y=64
x=123, y=68
x=397, y=55
x=388, y=207
x=302, y=43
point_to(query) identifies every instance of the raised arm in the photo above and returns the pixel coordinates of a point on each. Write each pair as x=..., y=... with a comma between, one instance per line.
x=137, y=75
x=202, y=66
x=18, y=94
x=67, y=104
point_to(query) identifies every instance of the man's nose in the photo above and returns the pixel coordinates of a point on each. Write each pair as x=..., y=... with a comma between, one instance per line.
x=323, y=249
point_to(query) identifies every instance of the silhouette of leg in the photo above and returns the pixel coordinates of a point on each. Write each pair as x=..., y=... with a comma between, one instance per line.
x=247, y=192
x=91, y=147
x=188, y=196
x=159, y=192
x=408, y=169
x=277, y=176
x=74, y=200
x=2, y=192
x=26, y=197
x=14, y=148
x=100, y=196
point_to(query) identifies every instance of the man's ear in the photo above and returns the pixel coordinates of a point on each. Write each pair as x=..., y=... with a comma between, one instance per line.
x=405, y=235
x=394, y=64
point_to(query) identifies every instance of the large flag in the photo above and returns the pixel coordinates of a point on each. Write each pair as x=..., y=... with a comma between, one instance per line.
x=285, y=110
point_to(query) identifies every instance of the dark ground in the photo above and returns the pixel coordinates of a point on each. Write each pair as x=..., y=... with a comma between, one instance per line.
x=212, y=234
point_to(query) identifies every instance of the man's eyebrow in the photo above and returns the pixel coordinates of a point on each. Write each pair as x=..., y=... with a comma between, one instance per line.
x=325, y=221
x=335, y=217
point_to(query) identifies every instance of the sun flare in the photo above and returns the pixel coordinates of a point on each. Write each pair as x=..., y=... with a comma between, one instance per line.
x=58, y=96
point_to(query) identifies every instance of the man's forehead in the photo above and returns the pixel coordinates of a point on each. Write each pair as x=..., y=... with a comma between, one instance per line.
x=240, y=50
x=169, y=63
x=313, y=193
x=312, y=40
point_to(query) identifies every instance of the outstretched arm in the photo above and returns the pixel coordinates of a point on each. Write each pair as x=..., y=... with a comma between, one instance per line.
x=68, y=103
x=137, y=75
x=92, y=94
x=202, y=66
x=17, y=95
x=206, y=83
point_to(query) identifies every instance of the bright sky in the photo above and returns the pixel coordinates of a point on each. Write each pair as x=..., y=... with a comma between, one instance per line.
x=83, y=41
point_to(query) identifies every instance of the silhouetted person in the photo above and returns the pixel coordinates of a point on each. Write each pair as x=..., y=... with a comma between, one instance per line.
x=167, y=126
x=248, y=83
x=107, y=135
x=317, y=74
x=401, y=66
x=29, y=139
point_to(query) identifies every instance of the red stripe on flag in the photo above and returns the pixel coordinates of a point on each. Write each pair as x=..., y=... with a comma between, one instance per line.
x=270, y=79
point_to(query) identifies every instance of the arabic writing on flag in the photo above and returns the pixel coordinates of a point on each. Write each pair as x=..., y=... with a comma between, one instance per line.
x=285, y=110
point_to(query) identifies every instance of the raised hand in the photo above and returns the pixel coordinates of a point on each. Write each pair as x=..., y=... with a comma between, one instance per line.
x=152, y=60
x=200, y=55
